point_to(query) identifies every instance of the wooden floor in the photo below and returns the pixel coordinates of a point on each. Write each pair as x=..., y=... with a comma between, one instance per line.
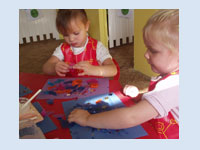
x=33, y=55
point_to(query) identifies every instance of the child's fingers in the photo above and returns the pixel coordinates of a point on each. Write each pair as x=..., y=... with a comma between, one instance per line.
x=70, y=119
x=61, y=69
x=73, y=114
x=82, y=74
x=61, y=74
x=83, y=62
x=64, y=66
x=74, y=111
x=80, y=66
x=77, y=67
x=64, y=69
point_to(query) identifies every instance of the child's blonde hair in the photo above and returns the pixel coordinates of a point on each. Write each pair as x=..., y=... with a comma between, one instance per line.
x=163, y=26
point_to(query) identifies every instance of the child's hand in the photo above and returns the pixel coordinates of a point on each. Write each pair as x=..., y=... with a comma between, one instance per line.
x=87, y=68
x=61, y=68
x=131, y=90
x=79, y=116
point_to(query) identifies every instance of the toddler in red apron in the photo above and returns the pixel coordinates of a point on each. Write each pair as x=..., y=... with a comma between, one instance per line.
x=166, y=127
x=88, y=54
x=161, y=38
x=79, y=55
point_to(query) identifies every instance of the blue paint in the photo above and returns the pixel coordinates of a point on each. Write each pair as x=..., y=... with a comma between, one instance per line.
x=58, y=81
x=50, y=83
x=52, y=93
x=23, y=90
x=68, y=82
x=50, y=101
x=80, y=89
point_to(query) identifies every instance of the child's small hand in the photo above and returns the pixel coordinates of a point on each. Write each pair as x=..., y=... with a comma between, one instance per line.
x=61, y=68
x=131, y=90
x=79, y=116
x=87, y=68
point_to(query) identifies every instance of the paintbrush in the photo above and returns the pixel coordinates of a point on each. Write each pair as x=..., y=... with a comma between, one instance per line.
x=26, y=104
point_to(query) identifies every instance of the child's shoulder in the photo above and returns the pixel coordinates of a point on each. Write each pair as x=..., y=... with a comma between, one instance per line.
x=64, y=45
x=92, y=42
x=170, y=81
x=92, y=39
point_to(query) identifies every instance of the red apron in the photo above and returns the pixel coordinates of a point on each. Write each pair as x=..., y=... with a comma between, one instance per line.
x=166, y=127
x=88, y=54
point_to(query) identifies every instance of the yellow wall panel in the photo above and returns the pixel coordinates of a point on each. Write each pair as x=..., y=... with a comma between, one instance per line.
x=98, y=25
x=103, y=27
x=93, y=17
x=140, y=18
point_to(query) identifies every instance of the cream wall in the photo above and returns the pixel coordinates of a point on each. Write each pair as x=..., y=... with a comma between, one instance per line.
x=140, y=63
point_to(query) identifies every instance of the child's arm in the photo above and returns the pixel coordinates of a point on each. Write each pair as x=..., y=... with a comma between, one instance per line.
x=115, y=119
x=107, y=69
x=55, y=66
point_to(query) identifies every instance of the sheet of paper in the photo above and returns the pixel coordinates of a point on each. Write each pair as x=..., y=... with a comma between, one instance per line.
x=67, y=88
x=23, y=90
x=47, y=124
x=96, y=104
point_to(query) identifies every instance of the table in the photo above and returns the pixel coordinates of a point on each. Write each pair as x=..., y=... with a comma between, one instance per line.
x=37, y=81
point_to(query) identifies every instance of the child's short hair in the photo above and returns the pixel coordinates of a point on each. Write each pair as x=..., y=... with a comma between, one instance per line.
x=65, y=16
x=164, y=27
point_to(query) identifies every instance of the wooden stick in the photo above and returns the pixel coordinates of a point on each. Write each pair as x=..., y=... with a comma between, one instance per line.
x=31, y=99
x=28, y=119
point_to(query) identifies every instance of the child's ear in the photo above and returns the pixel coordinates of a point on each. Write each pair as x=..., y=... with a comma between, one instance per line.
x=87, y=25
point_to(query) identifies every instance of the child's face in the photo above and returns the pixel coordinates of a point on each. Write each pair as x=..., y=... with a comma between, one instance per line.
x=78, y=33
x=161, y=58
